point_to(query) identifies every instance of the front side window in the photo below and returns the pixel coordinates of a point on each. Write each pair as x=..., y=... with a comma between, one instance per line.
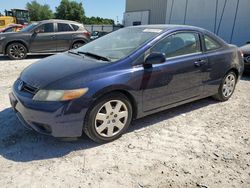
x=45, y=28
x=178, y=44
x=211, y=44
x=64, y=27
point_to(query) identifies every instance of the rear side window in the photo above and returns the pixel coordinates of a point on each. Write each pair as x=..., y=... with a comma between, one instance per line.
x=179, y=44
x=75, y=27
x=64, y=27
x=211, y=44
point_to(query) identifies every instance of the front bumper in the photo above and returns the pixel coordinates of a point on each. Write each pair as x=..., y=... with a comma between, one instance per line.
x=1, y=48
x=58, y=119
x=247, y=63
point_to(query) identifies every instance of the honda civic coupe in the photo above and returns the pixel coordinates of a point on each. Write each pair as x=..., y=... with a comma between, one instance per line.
x=99, y=88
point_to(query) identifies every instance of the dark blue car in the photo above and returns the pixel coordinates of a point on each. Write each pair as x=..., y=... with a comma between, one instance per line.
x=136, y=71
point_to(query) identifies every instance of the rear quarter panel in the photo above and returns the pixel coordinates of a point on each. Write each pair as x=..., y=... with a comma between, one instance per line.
x=220, y=62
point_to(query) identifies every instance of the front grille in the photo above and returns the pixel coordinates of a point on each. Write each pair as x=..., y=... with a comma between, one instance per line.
x=22, y=86
x=29, y=89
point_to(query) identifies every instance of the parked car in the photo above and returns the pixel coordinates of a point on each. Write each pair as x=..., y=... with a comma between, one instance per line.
x=102, y=86
x=246, y=51
x=12, y=28
x=48, y=36
x=98, y=34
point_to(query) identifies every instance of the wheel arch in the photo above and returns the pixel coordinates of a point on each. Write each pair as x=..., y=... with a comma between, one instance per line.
x=15, y=41
x=235, y=70
x=125, y=92
x=79, y=40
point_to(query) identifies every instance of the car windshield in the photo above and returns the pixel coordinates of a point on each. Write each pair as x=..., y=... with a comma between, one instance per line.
x=119, y=44
x=29, y=27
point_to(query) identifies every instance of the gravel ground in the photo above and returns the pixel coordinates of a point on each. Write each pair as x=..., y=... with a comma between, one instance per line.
x=201, y=144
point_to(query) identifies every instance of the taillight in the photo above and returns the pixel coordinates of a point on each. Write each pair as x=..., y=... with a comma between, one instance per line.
x=87, y=34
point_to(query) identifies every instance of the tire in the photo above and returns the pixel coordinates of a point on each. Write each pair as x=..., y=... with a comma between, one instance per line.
x=17, y=51
x=77, y=45
x=227, y=87
x=109, y=118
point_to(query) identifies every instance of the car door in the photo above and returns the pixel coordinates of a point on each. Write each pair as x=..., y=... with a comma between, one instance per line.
x=43, y=39
x=181, y=76
x=64, y=36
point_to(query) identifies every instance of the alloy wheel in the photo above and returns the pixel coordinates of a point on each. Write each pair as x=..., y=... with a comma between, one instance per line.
x=17, y=51
x=229, y=85
x=111, y=118
x=77, y=45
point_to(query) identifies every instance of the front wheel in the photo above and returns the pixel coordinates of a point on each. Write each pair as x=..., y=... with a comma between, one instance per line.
x=17, y=51
x=109, y=118
x=227, y=87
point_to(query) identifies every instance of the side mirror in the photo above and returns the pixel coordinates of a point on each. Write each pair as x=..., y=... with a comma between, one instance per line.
x=155, y=58
x=35, y=32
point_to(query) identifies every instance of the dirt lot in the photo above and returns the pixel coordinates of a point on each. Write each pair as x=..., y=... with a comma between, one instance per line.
x=202, y=144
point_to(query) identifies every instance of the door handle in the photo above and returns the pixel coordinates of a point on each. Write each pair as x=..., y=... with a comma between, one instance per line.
x=200, y=62
x=53, y=37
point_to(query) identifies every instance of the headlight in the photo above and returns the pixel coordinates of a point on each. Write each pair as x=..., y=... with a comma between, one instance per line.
x=59, y=95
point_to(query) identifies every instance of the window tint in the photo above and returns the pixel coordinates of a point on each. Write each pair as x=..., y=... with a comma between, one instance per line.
x=12, y=29
x=76, y=27
x=64, y=27
x=211, y=44
x=45, y=28
x=179, y=44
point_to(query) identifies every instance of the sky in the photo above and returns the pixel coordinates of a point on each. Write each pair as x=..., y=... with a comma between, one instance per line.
x=102, y=8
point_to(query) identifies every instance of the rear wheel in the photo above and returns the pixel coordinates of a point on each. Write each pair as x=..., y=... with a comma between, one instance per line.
x=77, y=45
x=227, y=87
x=109, y=118
x=16, y=51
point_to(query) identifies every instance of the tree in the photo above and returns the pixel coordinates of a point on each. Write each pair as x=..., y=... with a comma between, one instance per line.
x=39, y=12
x=98, y=20
x=70, y=10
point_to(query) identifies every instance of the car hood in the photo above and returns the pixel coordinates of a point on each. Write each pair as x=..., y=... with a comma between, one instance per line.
x=9, y=34
x=54, y=68
x=245, y=49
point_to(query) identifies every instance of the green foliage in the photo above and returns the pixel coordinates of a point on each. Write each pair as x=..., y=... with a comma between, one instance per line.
x=67, y=10
x=70, y=10
x=39, y=12
x=98, y=20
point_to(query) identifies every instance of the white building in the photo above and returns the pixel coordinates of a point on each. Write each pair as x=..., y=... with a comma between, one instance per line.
x=230, y=19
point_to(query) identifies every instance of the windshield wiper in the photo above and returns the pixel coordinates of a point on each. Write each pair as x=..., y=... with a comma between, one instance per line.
x=96, y=56
x=74, y=52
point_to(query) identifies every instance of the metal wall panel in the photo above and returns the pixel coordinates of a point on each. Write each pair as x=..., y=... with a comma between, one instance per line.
x=230, y=19
x=157, y=9
x=227, y=18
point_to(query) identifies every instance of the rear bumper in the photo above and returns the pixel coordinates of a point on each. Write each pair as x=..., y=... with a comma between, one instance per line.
x=56, y=119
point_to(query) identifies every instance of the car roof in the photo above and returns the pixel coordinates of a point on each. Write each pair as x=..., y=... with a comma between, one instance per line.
x=58, y=20
x=167, y=27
